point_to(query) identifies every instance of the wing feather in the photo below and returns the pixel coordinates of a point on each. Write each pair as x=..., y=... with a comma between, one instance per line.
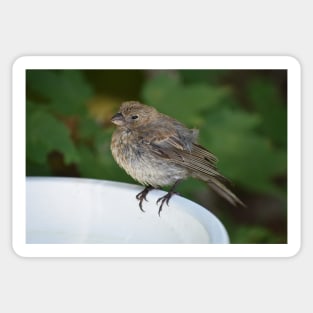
x=184, y=151
x=193, y=156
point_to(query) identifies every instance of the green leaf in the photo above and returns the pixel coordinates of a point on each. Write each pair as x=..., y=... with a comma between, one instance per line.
x=267, y=100
x=66, y=91
x=44, y=133
x=158, y=87
x=245, y=156
x=202, y=76
x=169, y=96
x=37, y=169
x=89, y=165
x=100, y=165
x=255, y=234
x=88, y=128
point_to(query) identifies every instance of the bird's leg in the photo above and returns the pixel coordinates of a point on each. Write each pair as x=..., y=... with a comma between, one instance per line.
x=142, y=196
x=168, y=196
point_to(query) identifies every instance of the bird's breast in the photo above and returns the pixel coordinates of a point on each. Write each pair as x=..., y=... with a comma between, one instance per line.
x=137, y=158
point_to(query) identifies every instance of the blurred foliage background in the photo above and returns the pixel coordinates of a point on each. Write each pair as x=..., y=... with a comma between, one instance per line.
x=241, y=114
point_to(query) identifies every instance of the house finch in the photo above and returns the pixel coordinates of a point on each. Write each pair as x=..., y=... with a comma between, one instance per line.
x=157, y=150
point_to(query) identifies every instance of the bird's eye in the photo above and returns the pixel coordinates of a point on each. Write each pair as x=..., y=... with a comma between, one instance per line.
x=134, y=117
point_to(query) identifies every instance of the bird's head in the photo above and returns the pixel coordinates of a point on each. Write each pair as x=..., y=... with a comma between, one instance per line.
x=133, y=114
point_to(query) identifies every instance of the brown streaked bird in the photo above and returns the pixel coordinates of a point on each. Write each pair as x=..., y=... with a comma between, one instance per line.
x=157, y=150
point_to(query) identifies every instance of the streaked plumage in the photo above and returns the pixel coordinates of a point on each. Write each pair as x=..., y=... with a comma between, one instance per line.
x=157, y=150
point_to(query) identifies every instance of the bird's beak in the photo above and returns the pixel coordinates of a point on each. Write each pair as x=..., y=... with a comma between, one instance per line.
x=118, y=119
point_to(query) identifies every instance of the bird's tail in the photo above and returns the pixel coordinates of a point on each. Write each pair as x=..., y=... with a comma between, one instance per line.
x=224, y=192
x=215, y=183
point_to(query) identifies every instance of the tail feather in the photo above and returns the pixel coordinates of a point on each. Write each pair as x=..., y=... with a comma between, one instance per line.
x=224, y=192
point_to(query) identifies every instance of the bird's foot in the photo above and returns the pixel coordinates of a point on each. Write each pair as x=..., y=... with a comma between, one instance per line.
x=142, y=196
x=168, y=196
x=165, y=199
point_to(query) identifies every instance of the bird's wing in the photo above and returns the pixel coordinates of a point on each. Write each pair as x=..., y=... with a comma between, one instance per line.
x=181, y=150
x=170, y=136
x=198, y=160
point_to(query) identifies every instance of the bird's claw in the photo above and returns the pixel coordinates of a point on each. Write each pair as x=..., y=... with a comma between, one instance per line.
x=140, y=204
x=165, y=199
x=142, y=196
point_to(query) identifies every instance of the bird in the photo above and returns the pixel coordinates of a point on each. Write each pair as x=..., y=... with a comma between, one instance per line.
x=157, y=151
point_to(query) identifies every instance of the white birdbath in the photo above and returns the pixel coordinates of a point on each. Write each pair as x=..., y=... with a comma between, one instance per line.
x=87, y=211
